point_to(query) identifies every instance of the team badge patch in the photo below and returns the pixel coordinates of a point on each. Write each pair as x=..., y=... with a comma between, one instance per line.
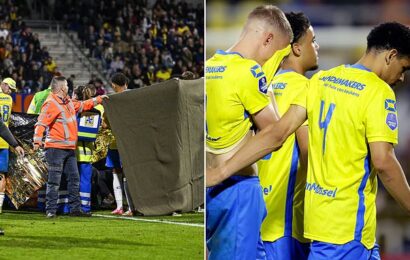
x=391, y=121
x=390, y=105
x=263, y=87
x=257, y=71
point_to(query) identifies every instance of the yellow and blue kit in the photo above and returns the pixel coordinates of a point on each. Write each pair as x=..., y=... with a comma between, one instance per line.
x=283, y=184
x=235, y=89
x=6, y=104
x=351, y=250
x=348, y=107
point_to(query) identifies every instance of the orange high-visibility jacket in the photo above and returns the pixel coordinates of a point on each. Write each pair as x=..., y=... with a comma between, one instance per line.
x=58, y=117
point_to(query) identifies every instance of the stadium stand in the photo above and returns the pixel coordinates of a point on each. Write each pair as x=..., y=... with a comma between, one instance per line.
x=21, y=55
x=147, y=45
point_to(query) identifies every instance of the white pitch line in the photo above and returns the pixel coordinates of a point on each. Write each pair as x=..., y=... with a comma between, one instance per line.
x=151, y=220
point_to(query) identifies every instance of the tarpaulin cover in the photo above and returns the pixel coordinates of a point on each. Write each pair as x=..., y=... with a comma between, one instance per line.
x=159, y=132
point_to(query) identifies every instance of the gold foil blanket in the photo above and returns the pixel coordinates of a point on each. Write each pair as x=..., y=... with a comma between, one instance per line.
x=26, y=175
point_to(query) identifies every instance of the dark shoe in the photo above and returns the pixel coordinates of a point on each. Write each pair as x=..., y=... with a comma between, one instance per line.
x=109, y=200
x=51, y=215
x=1, y=232
x=80, y=214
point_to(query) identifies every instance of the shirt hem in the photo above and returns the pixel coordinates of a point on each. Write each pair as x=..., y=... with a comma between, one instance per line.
x=382, y=139
x=337, y=242
x=226, y=149
x=272, y=240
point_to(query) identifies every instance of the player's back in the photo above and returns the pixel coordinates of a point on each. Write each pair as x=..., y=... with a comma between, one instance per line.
x=235, y=88
x=348, y=107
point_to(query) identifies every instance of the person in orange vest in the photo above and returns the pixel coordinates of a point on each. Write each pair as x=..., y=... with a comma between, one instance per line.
x=63, y=207
x=58, y=117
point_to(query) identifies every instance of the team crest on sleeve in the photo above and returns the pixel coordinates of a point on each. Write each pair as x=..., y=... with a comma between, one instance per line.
x=263, y=87
x=257, y=71
x=262, y=83
x=390, y=105
x=391, y=121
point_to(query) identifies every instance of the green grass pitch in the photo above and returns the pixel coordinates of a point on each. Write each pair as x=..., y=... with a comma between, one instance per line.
x=29, y=235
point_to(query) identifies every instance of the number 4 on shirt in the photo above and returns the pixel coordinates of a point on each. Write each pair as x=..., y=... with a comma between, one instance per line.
x=5, y=113
x=324, y=124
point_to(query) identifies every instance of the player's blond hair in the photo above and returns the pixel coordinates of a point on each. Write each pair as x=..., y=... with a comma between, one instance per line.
x=272, y=16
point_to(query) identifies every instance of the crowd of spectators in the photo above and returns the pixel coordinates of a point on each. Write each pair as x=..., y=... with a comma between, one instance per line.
x=21, y=55
x=147, y=44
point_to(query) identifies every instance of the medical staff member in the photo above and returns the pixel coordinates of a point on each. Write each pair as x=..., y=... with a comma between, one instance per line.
x=88, y=125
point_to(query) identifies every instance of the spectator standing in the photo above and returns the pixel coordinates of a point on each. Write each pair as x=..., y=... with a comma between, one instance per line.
x=99, y=86
x=163, y=74
x=116, y=65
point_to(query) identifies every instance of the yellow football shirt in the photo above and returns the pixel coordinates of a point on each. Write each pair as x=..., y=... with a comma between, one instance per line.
x=348, y=107
x=235, y=89
x=6, y=104
x=282, y=184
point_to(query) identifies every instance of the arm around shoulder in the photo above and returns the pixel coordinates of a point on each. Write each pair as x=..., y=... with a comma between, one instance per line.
x=271, y=136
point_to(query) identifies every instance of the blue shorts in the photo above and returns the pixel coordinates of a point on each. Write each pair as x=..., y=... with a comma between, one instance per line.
x=234, y=213
x=113, y=159
x=353, y=250
x=286, y=248
x=4, y=160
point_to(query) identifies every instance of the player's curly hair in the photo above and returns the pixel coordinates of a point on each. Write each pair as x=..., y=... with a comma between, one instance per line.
x=388, y=36
x=299, y=23
x=119, y=79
